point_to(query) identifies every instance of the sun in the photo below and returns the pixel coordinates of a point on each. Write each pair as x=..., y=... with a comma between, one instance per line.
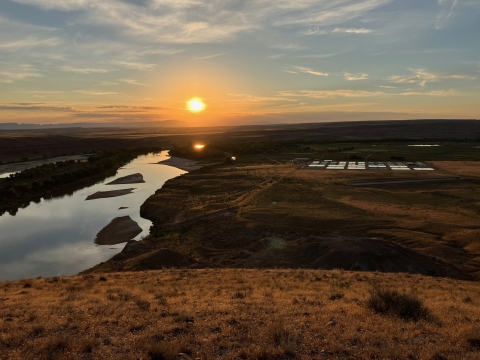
x=195, y=105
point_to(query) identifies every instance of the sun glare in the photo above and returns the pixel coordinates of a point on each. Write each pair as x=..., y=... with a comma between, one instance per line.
x=195, y=105
x=199, y=146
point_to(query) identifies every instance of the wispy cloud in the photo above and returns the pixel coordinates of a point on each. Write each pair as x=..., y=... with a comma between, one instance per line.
x=277, y=56
x=307, y=70
x=440, y=93
x=97, y=93
x=324, y=94
x=338, y=30
x=329, y=94
x=209, y=56
x=355, y=77
x=351, y=31
x=386, y=87
x=422, y=76
x=107, y=83
x=79, y=70
x=35, y=107
x=191, y=21
x=132, y=82
x=29, y=42
x=313, y=31
x=13, y=75
x=318, y=56
x=254, y=98
x=134, y=65
x=327, y=13
x=446, y=10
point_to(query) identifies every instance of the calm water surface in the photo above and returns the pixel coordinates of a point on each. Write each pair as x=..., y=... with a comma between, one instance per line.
x=56, y=237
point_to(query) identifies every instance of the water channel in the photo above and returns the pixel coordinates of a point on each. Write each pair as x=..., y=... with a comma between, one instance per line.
x=55, y=237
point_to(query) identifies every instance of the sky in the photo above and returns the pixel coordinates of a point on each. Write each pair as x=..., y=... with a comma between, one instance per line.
x=250, y=61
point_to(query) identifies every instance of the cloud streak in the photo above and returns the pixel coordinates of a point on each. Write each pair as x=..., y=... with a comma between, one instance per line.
x=307, y=70
x=446, y=10
x=191, y=21
x=355, y=77
x=421, y=77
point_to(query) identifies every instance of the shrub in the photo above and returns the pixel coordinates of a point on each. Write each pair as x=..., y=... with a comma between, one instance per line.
x=473, y=340
x=336, y=296
x=283, y=336
x=391, y=302
x=74, y=288
x=55, y=346
x=162, y=300
x=37, y=330
x=144, y=305
x=162, y=351
x=240, y=295
x=184, y=318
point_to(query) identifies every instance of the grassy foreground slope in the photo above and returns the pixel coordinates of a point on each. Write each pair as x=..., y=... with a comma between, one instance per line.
x=239, y=314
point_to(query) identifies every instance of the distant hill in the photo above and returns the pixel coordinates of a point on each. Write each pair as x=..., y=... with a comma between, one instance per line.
x=17, y=126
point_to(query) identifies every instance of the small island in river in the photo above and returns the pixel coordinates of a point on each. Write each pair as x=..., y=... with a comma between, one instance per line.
x=129, y=179
x=109, y=194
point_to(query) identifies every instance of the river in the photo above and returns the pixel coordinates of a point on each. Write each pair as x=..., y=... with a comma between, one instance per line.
x=55, y=237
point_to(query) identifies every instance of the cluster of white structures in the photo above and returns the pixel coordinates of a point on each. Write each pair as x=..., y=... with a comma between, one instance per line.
x=361, y=165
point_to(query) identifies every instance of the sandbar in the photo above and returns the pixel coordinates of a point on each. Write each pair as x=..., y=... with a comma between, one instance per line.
x=120, y=230
x=129, y=179
x=182, y=164
x=109, y=194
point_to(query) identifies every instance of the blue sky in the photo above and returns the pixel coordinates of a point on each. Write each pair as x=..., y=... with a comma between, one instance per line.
x=263, y=61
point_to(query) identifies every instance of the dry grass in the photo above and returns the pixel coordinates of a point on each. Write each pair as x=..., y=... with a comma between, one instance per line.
x=239, y=314
x=190, y=213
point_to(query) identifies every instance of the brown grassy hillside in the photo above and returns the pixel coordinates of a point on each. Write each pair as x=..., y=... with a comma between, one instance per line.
x=239, y=314
x=281, y=215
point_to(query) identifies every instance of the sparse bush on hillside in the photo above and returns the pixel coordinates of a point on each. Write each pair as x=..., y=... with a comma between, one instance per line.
x=144, y=305
x=391, y=302
x=54, y=347
x=284, y=337
x=473, y=340
x=162, y=351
